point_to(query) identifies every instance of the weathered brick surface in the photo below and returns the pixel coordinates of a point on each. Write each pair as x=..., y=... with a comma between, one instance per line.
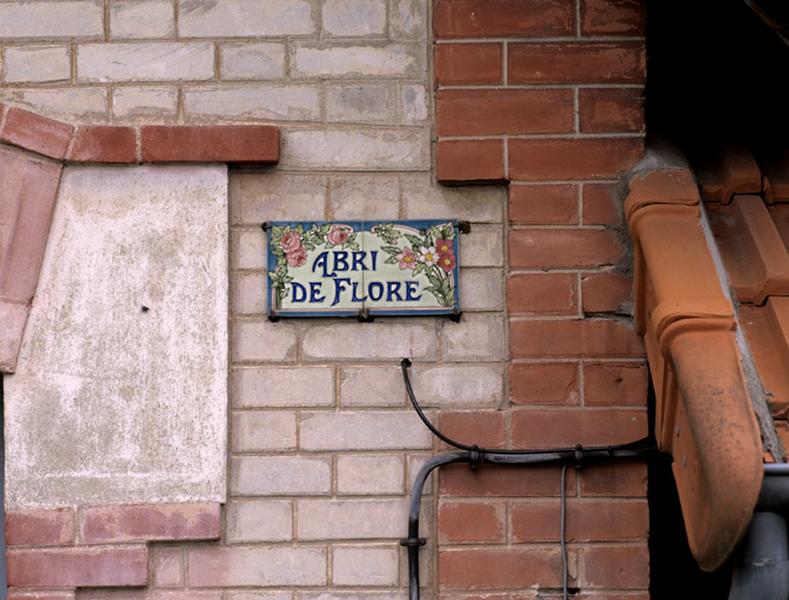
x=52, y=527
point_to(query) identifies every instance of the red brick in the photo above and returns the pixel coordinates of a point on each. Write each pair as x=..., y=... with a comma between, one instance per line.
x=39, y=527
x=613, y=17
x=611, y=110
x=588, y=521
x=499, y=568
x=534, y=160
x=78, y=567
x=543, y=204
x=546, y=384
x=500, y=18
x=581, y=338
x=544, y=293
x=618, y=567
x=38, y=595
x=540, y=428
x=607, y=292
x=626, y=480
x=221, y=143
x=601, y=204
x=471, y=522
x=564, y=248
x=615, y=385
x=481, y=428
x=104, y=144
x=470, y=161
x=491, y=480
x=576, y=63
x=36, y=133
x=498, y=112
x=468, y=64
x=144, y=522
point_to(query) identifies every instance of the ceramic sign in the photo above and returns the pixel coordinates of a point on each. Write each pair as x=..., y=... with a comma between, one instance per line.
x=362, y=268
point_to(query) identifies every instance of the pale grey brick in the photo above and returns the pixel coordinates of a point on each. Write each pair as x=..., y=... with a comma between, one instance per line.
x=414, y=103
x=145, y=102
x=363, y=431
x=259, y=197
x=351, y=519
x=359, y=103
x=362, y=198
x=279, y=475
x=370, y=474
x=370, y=341
x=282, y=386
x=259, y=101
x=407, y=19
x=366, y=595
x=259, y=595
x=259, y=521
x=249, y=60
x=312, y=59
x=89, y=104
x=365, y=565
x=263, y=340
x=258, y=431
x=247, y=248
x=362, y=149
x=145, y=61
x=245, y=18
x=354, y=17
x=371, y=386
x=140, y=19
x=249, y=293
x=481, y=289
x=426, y=200
x=37, y=63
x=475, y=337
x=55, y=19
x=483, y=247
x=458, y=385
x=257, y=566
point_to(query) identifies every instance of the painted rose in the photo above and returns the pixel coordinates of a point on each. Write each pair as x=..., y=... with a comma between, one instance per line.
x=445, y=247
x=290, y=241
x=296, y=257
x=446, y=262
x=406, y=259
x=429, y=256
x=338, y=234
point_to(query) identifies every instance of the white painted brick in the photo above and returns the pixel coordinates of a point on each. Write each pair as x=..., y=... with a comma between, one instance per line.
x=263, y=340
x=365, y=565
x=279, y=475
x=249, y=293
x=464, y=386
x=363, y=198
x=248, y=60
x=483, y=247
x=369, y=474
x=151, y=61
x=259, y=197
x=371, y=386
x=359, y=103
x=475, y=337
x=247, y=247
x=426, y=200
x=407, y=19
x=370, y=341
x=55, y=19
x=89, y=104
x=140, y=19
x=354, y=17
x=351, y=519
x=245, y=18
x=37, y=63
x=257, y=566
x=259, y=521
x=414, y=103
x=363, y=149
x=282, y=386
x=312, y=59
x=481, y=289
x=263, y=101
x=257, y=431
x=145, y=102
x=363, y=431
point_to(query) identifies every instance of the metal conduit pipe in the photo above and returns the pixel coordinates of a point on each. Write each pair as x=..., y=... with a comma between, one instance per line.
x=763, y=569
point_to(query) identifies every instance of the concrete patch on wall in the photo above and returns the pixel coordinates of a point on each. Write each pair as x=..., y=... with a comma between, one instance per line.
x=120, y=394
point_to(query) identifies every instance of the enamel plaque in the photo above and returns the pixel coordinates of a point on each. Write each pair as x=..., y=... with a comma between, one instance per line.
x=362, y=268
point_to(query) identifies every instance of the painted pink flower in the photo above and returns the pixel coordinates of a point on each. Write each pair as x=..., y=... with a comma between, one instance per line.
x=445, y=247
x=296, y=257
x=407, y=259
x=446, y=262
x=338, y=234
x=290, y=241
